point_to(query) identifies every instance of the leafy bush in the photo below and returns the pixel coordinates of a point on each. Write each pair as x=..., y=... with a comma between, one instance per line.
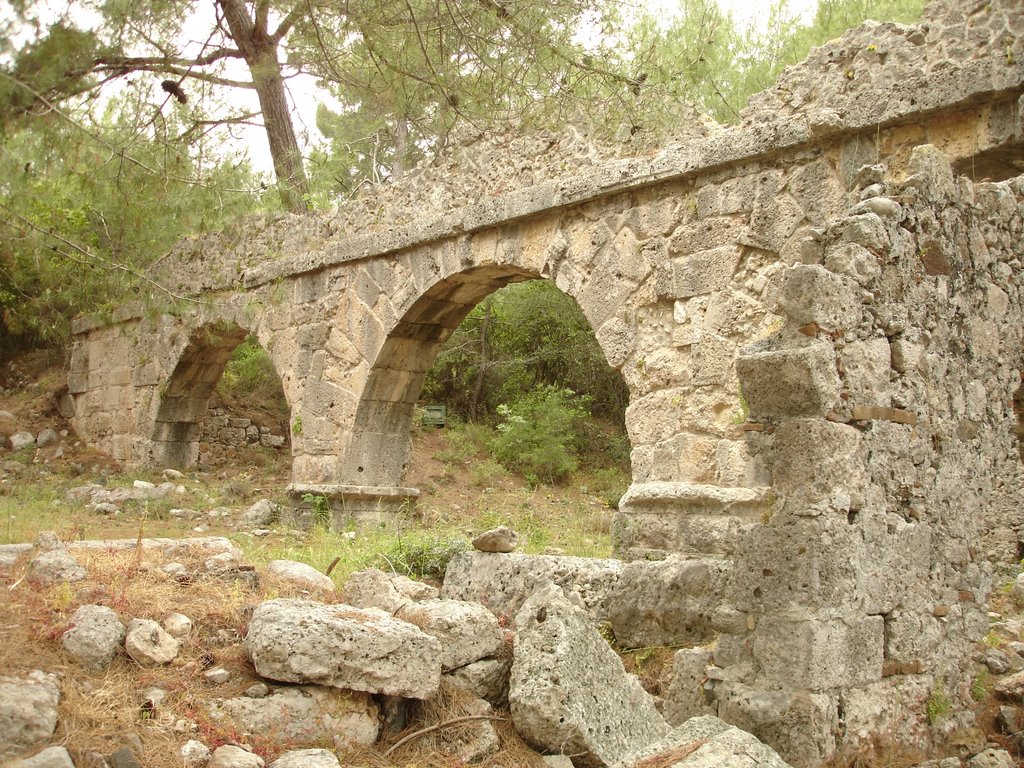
x=421, y=555
x=250, y=372
x=539, y=434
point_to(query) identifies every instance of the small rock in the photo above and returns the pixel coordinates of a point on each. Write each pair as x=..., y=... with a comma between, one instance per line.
x=153, y=698
x=262, y=513
x=47, y=438
x=21, y=440
x=257, y=691
x=230, y=756
x=217, y=675
x=1018, y=590
x=500, y=539
x=174, y=569
x=123, y=758
x=221, y=562
x=46, y=541
x=53, y=566
x=177, y=625
x=998, y=663
x=992, y=758
x=195, y=754
x=1010, y=687
x=51, y=757
x=300, y=574
x=94, y=637
x=148, y=644
x=143, y=485
x=307, y=758
x=104, y=508
x=172, y=474
x=1007, y=719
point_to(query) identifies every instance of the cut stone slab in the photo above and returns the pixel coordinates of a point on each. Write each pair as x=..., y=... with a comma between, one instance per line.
x=502, y=582
x=148, y=644
x=302, y=641
x=51, y=757
x=28, y=712
x=300, y=574
x=569, y=692
x=467, y=632
x=94, y=637
x=373, y=588
x=307, y=758
x=706, y=742
x=303, y=715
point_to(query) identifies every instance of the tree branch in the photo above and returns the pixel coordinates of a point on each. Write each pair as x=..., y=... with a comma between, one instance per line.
x=286, y=25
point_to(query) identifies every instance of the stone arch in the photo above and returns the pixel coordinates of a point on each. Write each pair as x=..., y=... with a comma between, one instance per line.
x=184, y=398
x=378, y=447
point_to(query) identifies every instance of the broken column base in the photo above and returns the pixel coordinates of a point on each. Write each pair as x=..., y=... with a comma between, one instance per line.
x=342, y=506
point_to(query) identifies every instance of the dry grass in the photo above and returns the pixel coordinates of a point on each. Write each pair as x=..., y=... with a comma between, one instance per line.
x=672, y=756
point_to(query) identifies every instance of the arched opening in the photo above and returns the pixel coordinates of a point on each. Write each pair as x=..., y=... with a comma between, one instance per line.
x=556, y=367
x=195, y=425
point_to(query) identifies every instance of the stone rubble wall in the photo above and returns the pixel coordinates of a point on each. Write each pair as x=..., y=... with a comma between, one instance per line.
x=222, y=434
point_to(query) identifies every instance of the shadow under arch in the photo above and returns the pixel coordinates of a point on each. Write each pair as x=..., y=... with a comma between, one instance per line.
x=185, y=397
x=379, y=446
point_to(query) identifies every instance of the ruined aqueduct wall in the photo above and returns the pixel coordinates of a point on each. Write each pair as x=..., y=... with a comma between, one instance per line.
x=817, y=314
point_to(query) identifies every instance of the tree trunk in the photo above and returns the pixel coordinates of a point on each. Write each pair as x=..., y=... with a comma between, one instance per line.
x=481, y=371
x=260, y=52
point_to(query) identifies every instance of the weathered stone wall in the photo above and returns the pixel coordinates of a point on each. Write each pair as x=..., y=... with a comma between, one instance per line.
x=223, y=433
x=817, y=319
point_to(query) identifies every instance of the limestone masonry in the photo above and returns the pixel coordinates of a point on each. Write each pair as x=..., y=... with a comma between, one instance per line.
x=817, y=313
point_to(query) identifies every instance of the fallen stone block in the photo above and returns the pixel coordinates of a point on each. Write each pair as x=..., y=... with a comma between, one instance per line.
x=301, y=641
x=502, y=582
x=467, y=632
x=486, y=678
x=569, y=692
x=303, y=715
x=373, y=588
x=706, y=742
x=300, y=575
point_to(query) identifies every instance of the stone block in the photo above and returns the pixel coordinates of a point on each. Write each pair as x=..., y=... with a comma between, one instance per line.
x=668, y=602
x=819, y=466
x=569, y=692
x=704, y=271
x=788, y=377
x=706, y=742
x=819, y=653
x=866, y=368
x=687, y=696
x=810, y=293
x=467, y=631
x=301, y=641
x=852, y=260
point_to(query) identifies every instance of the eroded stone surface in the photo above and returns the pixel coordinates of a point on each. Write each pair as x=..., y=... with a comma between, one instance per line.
x=28, y=712
x=94, y=637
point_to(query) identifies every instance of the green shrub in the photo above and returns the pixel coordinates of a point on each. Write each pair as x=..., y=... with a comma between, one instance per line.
x=421, y=555
x=250, y=373
x=540, y=434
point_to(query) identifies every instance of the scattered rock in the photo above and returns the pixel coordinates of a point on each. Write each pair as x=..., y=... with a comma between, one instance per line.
x=373, y=588
x=230, y=756
x=569, y=692
x=28, y=712
x=998, y=663
x=217, y=675
x=195, y=754
x=94, y=637
x=257, y=691
x=468, y=632
x=153, y=699
x=500, y=539
x=300, y=574
x=123, y=758
x=47, y=437
x=53, y=566
x=21, y=440
x=148, y=644
x=301, y=641
x=260, y=514
x=177, y=625
x=1010, y=687
x=51, y=757
x=706, y=742
x=172, y=474
x=992, y=758
x=307, y=758
x=303, y=715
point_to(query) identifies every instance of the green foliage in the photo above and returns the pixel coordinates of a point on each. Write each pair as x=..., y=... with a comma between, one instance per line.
x=539, y=434
x=321, y=508
x=250, y=374
x=938, y=704
x=980, y=685
x=421, y=554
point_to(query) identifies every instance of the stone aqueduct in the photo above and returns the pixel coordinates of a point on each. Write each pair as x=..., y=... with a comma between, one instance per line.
x=817, y=313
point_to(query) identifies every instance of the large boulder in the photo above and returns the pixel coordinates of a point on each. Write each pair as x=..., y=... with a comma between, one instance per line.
x=503, y=582
x=302, y=641
x=467, y=632
x=569, y=692
x=28, y=712
x=94, y=637
x=304, y=715
x=705, y=742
